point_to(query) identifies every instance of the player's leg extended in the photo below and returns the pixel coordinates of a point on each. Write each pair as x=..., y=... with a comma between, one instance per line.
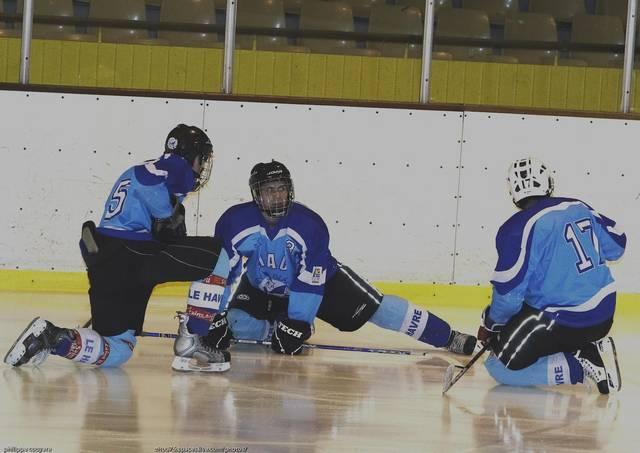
x=398, y=314
x=86, y=346
x=251, y=311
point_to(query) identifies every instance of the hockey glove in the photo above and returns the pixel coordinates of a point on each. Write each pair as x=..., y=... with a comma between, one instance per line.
x=288, y=336
x=171, y=228
x=489, y=329
x=220, y=334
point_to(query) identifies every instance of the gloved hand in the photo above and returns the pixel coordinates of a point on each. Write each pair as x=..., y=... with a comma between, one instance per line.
x=489, y=329
x=220, y=334
x=288, y=336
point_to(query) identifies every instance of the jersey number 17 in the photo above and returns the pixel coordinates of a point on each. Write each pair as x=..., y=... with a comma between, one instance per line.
x=585, y=262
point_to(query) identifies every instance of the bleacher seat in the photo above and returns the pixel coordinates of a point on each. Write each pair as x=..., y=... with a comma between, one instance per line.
x=531, y=27
x=119, y=10
x=561, y=10
x=497, y=10
x=330, y=16
x=261, y=13
x=362, y=8
x=421, y=3
x=190, y=12
x=463, y=23
x=399, y=20
x=591, y=29
x=59, y=8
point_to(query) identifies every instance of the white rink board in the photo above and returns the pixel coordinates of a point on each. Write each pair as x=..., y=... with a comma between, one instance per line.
x=386, y=194
x=385, y=180
x=593, y=159
x=61, y=155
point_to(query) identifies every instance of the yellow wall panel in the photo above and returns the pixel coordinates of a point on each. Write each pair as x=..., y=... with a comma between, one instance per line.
x=317, y=76
x=141, y=76
x=351, y=78
x=282, y=74
x=70, y=63
x=524, y=85
x=265, y=68
x=300, y=73
x=36, y=66
x=558, y=87
x=88, y=64
x=369, y=80
x=123, y=77
x=472, y=87
x=541, y=86
x=387, y=79
x=576, y=77
x=334, y=76
x=244, y=72
x=507, y=84
x=455, y=82
x=490, y=84
x=106, y=73
x=213, y=62
x=439, y=79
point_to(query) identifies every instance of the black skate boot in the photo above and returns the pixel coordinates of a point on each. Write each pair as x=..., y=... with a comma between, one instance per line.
x=35, y=343
x=600, y=364
x=461, y=343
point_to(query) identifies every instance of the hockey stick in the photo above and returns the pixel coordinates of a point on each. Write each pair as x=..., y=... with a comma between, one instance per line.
x=87, y=324
x=449, y=379
x=329, y=347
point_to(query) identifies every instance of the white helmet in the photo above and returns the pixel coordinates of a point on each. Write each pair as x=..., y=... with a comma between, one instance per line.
x=527, y=178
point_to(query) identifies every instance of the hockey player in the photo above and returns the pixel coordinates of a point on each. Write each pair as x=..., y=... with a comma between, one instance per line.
x=291, y=278
x=553, y=295
x=141, y=242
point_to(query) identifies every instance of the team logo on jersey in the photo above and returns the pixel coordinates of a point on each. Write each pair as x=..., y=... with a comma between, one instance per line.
x=290, y=245
x=172, y=143
x=316, y=275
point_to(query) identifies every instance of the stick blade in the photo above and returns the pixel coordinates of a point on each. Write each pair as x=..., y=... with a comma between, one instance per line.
x=447, y=380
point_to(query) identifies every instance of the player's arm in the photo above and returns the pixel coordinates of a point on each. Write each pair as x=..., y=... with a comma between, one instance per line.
x=613, y=241
x=305, y=295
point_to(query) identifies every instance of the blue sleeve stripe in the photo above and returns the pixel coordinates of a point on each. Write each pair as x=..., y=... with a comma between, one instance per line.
x=506, y=275
x=148, y=175
x=619, y=237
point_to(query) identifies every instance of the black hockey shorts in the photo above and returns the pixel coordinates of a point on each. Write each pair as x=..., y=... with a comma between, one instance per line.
x=532, y=334
x=123, y=273
x=348, y=302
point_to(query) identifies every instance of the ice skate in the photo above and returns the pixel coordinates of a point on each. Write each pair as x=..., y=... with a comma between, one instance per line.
x=192, y=353
x=600, y=364
x=35, y=343
x=461, y=343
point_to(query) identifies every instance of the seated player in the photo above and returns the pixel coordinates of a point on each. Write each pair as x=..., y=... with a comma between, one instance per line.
x=553, y=294
x=291, y=278
x=141, y=242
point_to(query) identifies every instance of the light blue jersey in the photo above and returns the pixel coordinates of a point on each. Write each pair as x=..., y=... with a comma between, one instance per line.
x=143, y=193
x=553, y=257
x=290, y=259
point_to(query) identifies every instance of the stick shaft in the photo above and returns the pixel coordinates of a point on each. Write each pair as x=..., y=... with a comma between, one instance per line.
x=466, y=368
x=313, y=346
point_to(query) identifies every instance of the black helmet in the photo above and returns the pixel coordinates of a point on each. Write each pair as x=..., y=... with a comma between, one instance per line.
x=267, y=172
x=191, y=142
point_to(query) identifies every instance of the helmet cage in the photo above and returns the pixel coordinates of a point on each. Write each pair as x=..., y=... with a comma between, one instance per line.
x=272, y=208
x=529, y=177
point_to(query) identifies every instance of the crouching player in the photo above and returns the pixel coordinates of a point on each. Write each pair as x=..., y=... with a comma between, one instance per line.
x=141, y=242
x=553, y=294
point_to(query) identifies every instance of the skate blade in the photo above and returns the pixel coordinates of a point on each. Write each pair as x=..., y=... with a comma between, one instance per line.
x=17, y=350
x=186, y=364
x=607, y=349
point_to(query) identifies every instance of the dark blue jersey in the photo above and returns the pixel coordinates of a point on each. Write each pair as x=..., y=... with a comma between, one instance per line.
x=290, y=259
x=553, y=257
x=143, y=193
